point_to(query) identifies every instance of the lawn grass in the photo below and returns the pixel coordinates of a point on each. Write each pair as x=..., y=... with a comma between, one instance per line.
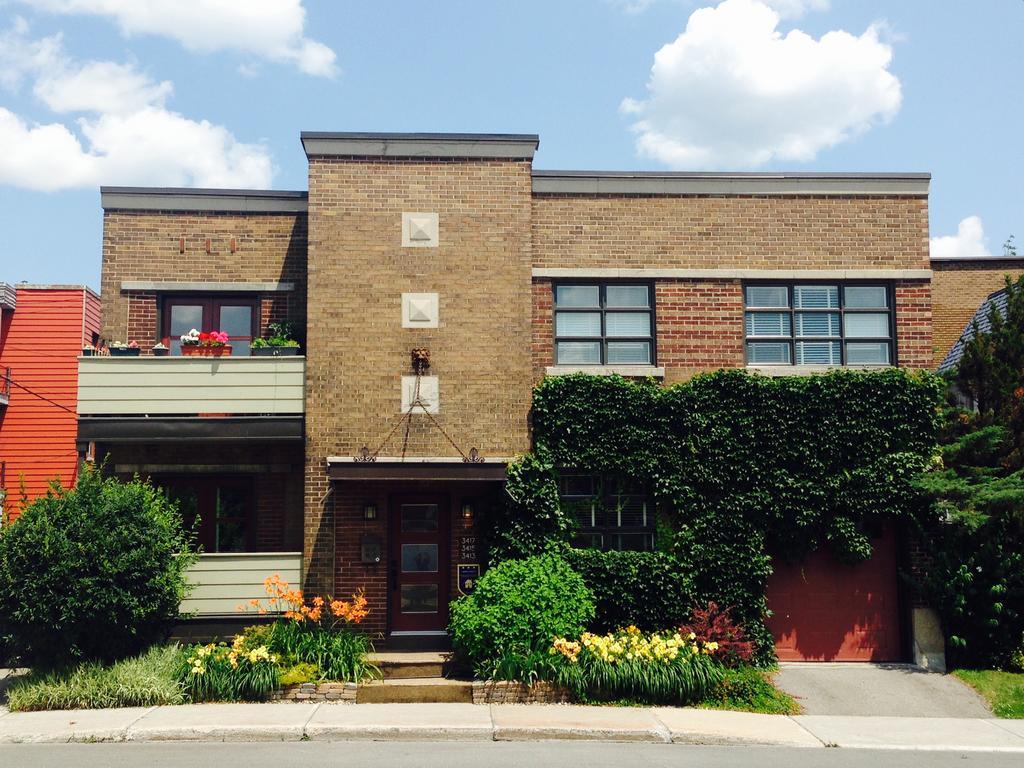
x=143, y=681
x=1004, y=691
x=748, y=689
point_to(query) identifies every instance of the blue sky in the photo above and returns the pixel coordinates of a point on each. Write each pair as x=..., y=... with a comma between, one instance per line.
x=214, y=93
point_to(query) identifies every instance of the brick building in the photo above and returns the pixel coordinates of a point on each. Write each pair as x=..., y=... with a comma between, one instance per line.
x=359, y=467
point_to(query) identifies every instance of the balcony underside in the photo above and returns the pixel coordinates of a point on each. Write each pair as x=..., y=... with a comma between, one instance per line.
x=164, y=429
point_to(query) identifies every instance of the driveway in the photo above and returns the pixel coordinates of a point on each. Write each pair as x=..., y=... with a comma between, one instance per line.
x=884, y=690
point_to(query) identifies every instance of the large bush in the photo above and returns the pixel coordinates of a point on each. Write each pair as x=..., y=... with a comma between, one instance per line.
x=517, y=608
x=649, y=590
x=92, y=573
x=740, y=465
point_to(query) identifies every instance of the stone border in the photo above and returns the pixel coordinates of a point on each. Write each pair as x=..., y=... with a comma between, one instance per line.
x=338, y=693
x=512, y=692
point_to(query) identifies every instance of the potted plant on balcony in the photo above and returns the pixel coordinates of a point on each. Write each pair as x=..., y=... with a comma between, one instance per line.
x=212, y=344
x=120, y=349
x=280, y=342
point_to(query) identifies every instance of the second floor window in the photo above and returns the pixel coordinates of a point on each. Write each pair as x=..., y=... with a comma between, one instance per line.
x=819, y=324
x=604, y=324
x=236, y=316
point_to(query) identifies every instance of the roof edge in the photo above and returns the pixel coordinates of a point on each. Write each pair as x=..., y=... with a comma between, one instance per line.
x=729, y=183
x=512, y=146
x=203, y=199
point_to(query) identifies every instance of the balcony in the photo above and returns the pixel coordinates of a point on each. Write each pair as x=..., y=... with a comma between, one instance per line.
x=128, y=399
x=222, y=582
x=147, y=386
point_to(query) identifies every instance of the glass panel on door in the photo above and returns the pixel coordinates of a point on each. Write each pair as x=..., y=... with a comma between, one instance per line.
x=184, y=317
x=236, y=322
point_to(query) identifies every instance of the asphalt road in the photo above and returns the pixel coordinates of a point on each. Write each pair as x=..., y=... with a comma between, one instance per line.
x=489, y=754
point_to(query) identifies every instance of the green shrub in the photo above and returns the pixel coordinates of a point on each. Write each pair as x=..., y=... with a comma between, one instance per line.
x=299, y=673
x=650, y=590
x=92, y=573
x=749, y=689
x=143, y=681
x=218, y=672
x=518, y=607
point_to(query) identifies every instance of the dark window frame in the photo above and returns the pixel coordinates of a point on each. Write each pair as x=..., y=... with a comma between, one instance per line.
x=206, y=488
x=604, y=497
x=603, y=309
x=842, y=310
x=212, y=304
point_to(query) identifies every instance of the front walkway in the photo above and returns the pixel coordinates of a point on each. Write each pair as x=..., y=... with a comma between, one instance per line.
x=886, y=690
x=468, y=722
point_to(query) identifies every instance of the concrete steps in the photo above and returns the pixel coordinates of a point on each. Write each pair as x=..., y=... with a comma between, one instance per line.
x=416, y=690
x=415, y=677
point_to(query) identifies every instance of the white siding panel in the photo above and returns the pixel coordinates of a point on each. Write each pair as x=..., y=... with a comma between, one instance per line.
x=177, y=385
x=225, y=582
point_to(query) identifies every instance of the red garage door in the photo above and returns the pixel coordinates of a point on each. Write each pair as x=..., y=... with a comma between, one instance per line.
x=827, y=611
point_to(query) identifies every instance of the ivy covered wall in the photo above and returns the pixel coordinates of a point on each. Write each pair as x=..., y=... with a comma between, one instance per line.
x=741, y=466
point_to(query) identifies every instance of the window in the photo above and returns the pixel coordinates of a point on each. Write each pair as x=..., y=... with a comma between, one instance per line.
x=819, y=324
x=604, y=324
x=612, y=514
x=237, y=316
x=223, y=507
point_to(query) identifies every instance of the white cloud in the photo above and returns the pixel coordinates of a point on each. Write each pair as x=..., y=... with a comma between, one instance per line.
x=969, y=241
x=793, y=9
x=127, y=135
x=787, y=9
x=270, y=29
x=732, y=90
x=100, y=86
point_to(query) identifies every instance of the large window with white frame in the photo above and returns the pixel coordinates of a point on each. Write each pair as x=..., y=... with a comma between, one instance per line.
x=819, y=324
x=604, y=324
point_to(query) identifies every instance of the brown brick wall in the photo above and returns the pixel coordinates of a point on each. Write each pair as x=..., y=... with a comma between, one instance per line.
x=913, y=323
x=144, y=245
x=959, y=286
x=699, y=326
x=358, y=351
x=731, y=232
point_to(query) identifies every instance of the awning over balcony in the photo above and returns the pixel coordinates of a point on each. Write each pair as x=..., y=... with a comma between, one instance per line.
x=134, y=429
x=421, y=469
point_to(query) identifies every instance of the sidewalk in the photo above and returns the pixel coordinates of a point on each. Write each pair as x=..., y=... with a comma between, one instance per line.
x=468, y=722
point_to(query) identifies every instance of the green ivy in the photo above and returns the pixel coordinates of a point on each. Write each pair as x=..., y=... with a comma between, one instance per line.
x=741, y=465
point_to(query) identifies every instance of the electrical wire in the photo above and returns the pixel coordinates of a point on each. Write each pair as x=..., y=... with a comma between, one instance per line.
x=43, y=397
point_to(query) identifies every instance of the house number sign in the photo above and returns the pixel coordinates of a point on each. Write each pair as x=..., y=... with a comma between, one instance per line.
x=467, y=548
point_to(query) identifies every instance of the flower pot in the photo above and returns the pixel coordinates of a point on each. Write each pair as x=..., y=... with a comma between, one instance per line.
x=199, y=350
x=88, y=352
x=124, y=351
x=161, y=351
x=274, y=351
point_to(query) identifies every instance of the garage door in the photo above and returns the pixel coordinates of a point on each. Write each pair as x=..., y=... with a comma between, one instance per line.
x=827, y=611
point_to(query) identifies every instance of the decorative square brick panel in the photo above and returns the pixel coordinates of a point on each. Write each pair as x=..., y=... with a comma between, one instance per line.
x=419, y=230
x=430, y=401
x=419, y=310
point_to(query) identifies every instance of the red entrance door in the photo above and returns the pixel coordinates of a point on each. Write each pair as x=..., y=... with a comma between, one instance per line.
x=419, y=564
x=824, y=610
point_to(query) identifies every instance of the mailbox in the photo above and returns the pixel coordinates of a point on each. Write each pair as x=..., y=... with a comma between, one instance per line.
x=370, y=546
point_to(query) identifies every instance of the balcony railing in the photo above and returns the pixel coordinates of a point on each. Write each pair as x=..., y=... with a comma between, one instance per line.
x=137, y=386
x=5, y=386
x=222, y=582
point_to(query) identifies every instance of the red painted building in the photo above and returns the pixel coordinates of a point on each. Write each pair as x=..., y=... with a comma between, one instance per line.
x=42, y=331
